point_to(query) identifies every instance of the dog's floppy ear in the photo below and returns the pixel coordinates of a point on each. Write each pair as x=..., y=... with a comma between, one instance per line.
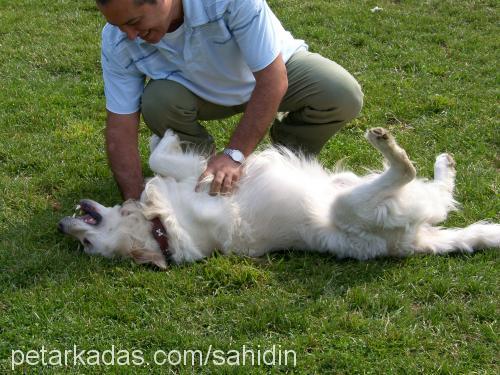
x=142, y=256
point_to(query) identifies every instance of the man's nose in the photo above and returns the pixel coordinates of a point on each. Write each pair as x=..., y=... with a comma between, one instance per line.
x=130, y=31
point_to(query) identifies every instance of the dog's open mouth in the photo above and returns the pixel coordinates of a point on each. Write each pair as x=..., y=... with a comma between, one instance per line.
x=89, y=214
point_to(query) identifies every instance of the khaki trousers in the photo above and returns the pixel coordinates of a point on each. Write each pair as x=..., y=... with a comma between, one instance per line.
x=321, y=97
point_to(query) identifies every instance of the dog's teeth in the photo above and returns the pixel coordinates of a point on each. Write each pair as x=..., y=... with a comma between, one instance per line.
x=78, y=207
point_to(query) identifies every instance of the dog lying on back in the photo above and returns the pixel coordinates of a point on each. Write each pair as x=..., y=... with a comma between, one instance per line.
x=283, y=201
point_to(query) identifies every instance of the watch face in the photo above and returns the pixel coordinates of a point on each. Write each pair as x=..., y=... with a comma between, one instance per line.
x=236, y=155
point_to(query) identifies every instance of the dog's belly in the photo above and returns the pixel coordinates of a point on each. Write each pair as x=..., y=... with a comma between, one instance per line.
x=279, y=208
x=261, y=234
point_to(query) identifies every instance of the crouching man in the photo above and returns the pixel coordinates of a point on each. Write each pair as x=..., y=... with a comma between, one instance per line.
x=208, y=60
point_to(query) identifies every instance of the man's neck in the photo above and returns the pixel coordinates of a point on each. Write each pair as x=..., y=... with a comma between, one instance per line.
x=178, y=12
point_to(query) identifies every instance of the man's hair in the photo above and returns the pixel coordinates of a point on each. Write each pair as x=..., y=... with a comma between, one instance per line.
x=138, y=2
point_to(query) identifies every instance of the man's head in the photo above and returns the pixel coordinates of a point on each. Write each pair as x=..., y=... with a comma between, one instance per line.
x=148, y=19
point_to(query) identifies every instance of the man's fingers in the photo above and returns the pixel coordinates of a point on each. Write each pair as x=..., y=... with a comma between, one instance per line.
x=227, y=185
x=225, y=172
x=215, y=188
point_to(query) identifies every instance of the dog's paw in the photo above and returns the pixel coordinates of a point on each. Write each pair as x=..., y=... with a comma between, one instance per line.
x=170, y=136
x=169, y=133
x=444, y=170
x=445, y=160
x=377, y=134
x=380, y=138
x=170, y=142
x=154, y=141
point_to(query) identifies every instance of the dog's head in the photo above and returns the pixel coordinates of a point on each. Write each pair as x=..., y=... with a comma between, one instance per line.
x=114, y=231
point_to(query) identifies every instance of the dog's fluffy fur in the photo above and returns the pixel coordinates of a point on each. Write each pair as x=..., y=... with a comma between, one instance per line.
x=284, y=201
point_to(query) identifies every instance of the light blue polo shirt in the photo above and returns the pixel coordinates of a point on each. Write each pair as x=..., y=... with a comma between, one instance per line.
x=213, y=53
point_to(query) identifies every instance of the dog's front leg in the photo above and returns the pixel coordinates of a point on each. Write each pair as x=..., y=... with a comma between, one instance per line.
x=168, y=159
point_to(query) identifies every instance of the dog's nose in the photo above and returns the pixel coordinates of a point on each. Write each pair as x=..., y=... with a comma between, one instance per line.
x=60, y=227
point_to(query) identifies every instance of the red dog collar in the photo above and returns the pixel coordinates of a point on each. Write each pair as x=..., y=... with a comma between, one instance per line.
x=160, y=235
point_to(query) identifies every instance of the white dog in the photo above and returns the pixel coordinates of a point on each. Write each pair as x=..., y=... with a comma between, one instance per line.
x=283, y=201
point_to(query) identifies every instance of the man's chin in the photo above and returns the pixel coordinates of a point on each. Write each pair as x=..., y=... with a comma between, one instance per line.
x=152, y=38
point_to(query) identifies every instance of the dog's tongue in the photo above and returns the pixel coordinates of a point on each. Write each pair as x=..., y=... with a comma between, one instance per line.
x=89, y=214
x=88, y=219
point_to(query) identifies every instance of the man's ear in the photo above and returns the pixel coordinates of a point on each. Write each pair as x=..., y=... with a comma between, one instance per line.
x=142, y=256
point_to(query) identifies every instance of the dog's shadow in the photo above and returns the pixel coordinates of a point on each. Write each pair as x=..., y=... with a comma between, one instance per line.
x=312, y=275
x=319, y=274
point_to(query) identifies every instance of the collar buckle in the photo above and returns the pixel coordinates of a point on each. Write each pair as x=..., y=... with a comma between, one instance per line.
x=160, y=235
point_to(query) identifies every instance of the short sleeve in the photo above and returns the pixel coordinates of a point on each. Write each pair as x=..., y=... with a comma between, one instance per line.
x=123, y=86
x=254, y=26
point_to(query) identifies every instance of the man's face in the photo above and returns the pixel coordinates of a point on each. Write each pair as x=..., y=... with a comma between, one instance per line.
x=148, y=21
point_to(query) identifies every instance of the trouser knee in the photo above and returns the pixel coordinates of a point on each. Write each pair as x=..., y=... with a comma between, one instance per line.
x=169, y=105
x=322, y=97
x=347, y=100
x=309, y=128
x=338, y=99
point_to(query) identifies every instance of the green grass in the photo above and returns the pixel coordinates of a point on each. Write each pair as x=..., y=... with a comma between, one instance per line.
x=429, y=70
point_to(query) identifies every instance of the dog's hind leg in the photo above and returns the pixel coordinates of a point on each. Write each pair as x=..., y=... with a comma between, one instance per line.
x=444, y=172
x=369, y=204
x=401, y=170
x=439, y=192
x=168, y=159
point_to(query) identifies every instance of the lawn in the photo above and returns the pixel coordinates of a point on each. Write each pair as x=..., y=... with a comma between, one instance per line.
x=430, y=73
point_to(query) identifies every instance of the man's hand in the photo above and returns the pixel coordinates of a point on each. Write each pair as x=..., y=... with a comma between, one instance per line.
x=226, y=174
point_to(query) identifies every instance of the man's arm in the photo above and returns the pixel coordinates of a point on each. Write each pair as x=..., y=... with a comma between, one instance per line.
x=123, y=153
x=270, y=87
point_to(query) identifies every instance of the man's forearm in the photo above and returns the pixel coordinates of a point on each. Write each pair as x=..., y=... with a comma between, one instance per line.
x=270, y=88
x=124, y=158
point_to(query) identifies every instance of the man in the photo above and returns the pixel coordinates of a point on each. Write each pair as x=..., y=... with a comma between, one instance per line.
x=211, y=59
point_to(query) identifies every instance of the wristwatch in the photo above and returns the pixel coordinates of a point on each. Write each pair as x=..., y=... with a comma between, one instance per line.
x=236, y=155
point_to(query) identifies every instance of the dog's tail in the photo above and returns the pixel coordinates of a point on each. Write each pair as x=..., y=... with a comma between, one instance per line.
x=436, y=240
